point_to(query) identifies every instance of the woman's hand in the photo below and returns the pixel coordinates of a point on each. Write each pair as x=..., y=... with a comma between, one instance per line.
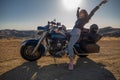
x=77, y=14
x=78, y=8
x=104, y=1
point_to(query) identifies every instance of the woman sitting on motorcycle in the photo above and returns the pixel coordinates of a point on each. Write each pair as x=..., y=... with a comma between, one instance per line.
x=82, y=19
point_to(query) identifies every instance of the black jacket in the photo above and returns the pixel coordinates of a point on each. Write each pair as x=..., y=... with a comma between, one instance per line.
x=82, y=21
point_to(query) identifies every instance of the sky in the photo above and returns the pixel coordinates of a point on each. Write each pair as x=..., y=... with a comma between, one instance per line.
x=28, y=14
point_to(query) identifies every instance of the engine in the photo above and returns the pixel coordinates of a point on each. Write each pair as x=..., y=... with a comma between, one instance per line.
x=56, y=46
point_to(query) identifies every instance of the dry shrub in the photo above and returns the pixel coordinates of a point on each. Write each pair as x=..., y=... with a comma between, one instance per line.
x=11, y=40
x=110, y=38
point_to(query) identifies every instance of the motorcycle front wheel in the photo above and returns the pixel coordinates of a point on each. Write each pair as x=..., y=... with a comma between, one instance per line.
x=26, y=53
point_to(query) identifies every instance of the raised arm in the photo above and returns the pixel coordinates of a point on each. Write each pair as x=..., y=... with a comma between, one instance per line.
x=96, y=8
x=77, y=14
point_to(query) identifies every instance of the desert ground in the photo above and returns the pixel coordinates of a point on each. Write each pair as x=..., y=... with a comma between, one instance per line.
x=102, y=66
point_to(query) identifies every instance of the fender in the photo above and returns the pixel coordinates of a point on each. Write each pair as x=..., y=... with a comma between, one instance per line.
x=34, y=42
x=29, y=42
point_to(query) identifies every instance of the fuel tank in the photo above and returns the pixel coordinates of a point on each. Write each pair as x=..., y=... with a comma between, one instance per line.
x=57, y=36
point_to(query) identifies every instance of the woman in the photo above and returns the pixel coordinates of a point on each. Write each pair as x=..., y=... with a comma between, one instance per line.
x=82, y=19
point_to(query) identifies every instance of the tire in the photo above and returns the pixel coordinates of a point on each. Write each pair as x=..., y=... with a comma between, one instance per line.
x=26, y=51
x=82, y=56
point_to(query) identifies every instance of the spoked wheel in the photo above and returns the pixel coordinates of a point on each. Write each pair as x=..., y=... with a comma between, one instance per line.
x=26, y=53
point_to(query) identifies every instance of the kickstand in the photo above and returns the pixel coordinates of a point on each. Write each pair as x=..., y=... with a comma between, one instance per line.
x=55, y=61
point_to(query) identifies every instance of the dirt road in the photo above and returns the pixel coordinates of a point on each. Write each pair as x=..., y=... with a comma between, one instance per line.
x=103, y=66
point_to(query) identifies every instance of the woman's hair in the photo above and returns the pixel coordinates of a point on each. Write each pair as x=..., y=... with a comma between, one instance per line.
x=86, y=14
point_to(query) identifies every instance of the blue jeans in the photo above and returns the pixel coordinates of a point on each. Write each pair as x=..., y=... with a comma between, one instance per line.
x=75, y=34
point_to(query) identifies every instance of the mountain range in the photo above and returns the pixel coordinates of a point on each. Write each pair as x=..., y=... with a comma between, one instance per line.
x=106, y=31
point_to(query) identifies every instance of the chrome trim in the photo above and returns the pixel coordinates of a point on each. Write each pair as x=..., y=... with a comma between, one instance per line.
x=39, y=42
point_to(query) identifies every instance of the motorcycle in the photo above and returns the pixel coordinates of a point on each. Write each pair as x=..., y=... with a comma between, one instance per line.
x=56, y=41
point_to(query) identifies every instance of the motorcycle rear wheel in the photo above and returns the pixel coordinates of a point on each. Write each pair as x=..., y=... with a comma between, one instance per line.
x=82, y=56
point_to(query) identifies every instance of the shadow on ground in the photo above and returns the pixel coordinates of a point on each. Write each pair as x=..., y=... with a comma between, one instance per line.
x=85, y=69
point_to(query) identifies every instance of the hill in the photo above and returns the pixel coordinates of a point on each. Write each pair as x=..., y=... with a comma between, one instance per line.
x=16, y=34
x=110, y=32
x=107, y=32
